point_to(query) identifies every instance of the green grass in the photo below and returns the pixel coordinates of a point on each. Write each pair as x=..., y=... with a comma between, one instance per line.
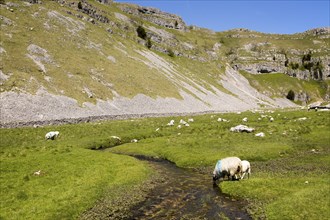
x=279, y=85
x=74, y=177
x=281, y=162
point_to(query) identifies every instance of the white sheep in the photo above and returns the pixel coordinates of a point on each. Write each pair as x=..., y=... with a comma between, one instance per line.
x=183, y=122
x=241, y=128
x=246, y=168
x=260, y=134
x=171, y=123
x=37, y=173
x=245, y=119
x=190, y=120
x=52, y=135
x=116, y=137
x=229, y=166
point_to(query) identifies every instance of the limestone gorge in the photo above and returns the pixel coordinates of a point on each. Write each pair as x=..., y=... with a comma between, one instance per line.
x=73, y=59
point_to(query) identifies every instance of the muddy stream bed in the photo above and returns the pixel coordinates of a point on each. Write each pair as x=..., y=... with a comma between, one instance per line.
x=186, y=194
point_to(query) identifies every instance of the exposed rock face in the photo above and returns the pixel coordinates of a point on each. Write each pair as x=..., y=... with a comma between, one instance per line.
x=319, y=31
x=39, y=56
x=262, y=67
x=303, y=97
x=155, y=16
x=317, y=68
x=105, y=1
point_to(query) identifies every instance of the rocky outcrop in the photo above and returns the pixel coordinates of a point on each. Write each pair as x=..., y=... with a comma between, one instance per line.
x=259, y=68
x=319, y=31
x=155, y=16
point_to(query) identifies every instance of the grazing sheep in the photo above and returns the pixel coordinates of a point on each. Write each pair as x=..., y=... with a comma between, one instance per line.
x=245, y=119
x=229, y=166
x=260, y=134
x=116, y=137
x=222, y=119
x=190, y=120
x=246, y=168
x=241, y=128
x=37, y=173
x=183, y=122
x=52, y=135
x=171, y=123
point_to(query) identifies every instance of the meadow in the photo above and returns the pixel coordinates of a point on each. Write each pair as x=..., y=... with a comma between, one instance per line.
x=290, y=165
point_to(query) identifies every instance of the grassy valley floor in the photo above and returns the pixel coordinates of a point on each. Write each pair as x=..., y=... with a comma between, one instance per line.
x=290, y=165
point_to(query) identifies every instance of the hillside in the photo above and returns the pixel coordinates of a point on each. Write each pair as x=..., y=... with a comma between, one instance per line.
x=71, y=59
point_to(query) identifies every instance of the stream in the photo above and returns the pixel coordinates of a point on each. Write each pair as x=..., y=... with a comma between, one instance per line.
x=186, y=194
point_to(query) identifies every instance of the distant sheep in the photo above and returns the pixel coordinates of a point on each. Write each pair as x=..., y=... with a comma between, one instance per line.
x=241, y=128
x=246, y=168
x=184, y=123
x=116, y=137
x=171, y=123
x=260, y=134
x=222, y=119
x=52, y=135
x=37, y=173
x=229, y=166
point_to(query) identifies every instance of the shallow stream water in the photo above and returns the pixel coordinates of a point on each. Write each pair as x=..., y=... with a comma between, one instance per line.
x=186, y=194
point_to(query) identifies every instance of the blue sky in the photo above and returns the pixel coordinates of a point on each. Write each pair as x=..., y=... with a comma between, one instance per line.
x=281, y=16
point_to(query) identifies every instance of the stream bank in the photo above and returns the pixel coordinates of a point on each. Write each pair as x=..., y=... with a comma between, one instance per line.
x=186, y=194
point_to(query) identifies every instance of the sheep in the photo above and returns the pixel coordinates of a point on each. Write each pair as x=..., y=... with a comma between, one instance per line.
x=260, y=134
x=241, y=128
x=245, y=119
x=246, y=168
x=183, y=122
x=37, y=173
x=229, y=166
x=171, y=123
x=116, y=137
x=52, y=135
x=222, y=119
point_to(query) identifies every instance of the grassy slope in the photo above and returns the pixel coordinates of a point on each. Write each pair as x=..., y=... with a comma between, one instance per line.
x=80, y=60
x=279, y=85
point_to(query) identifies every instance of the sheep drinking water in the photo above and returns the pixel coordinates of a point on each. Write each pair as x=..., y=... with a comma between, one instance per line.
x=229, y=166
